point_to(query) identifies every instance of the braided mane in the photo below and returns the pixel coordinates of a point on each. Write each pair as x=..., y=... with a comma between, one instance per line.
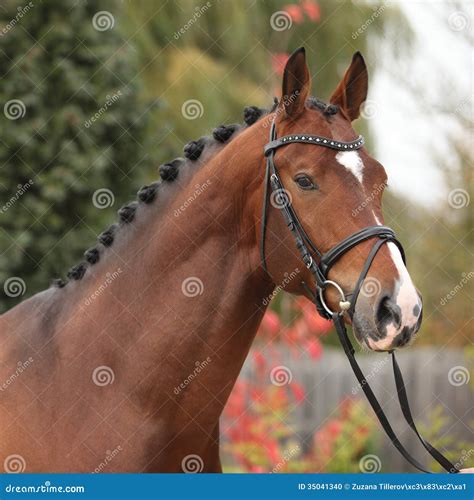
x=169, y=172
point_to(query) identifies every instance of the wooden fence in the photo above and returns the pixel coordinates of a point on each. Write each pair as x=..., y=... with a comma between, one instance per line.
x=433, y=376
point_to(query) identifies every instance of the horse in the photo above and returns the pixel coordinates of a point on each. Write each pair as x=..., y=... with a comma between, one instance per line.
x=127, y=364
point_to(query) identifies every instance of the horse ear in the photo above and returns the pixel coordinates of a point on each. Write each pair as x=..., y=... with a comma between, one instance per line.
x=296, y=84
x=352, y=89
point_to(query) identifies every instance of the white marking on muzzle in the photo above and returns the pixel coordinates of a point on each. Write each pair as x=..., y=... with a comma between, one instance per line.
x=352, y=162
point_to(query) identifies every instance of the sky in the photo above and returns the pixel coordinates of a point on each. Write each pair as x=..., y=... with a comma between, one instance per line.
x=406, y=137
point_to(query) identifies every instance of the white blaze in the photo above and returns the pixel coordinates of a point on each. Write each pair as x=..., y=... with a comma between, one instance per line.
x=352, y=162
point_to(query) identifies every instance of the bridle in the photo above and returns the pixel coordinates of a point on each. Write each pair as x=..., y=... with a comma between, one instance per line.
x=320, y=264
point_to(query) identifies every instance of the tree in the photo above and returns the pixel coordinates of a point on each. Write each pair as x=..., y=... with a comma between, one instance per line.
x=71, y=124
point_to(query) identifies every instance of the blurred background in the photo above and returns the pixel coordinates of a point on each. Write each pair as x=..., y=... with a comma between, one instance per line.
x=95, y=93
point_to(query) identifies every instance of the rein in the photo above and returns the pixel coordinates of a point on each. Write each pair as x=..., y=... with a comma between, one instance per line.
x=320, y=272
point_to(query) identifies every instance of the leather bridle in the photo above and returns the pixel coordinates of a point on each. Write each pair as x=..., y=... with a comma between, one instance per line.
x=320, y=264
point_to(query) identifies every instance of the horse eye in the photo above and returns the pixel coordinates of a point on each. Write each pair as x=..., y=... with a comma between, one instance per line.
x=304, y=182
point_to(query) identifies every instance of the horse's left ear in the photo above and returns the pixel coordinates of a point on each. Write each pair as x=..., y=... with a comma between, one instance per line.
x=296, y=84
x=352, y=89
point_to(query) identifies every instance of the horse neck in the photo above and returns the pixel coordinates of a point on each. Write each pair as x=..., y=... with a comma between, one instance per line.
x=191, y=286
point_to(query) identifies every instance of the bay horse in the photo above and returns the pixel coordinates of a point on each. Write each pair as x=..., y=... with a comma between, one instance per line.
x=127, y=364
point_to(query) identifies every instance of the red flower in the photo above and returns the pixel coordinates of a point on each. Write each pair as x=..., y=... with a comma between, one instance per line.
x=312, y=9
x=294, y=12
x=279, y=62
x=314, y=348
x=271, y=323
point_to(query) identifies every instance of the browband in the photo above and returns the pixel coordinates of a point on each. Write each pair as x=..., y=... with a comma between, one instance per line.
x=318, y=140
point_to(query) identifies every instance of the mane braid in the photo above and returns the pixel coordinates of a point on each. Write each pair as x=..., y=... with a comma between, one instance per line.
x=147, y=194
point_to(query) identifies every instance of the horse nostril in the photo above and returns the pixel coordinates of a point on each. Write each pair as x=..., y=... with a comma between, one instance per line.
x=388, y=312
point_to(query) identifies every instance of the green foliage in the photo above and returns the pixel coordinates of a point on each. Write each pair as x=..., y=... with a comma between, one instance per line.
x=62, y=71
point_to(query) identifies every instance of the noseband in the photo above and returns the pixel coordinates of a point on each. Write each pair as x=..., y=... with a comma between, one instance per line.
x=320, y=268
